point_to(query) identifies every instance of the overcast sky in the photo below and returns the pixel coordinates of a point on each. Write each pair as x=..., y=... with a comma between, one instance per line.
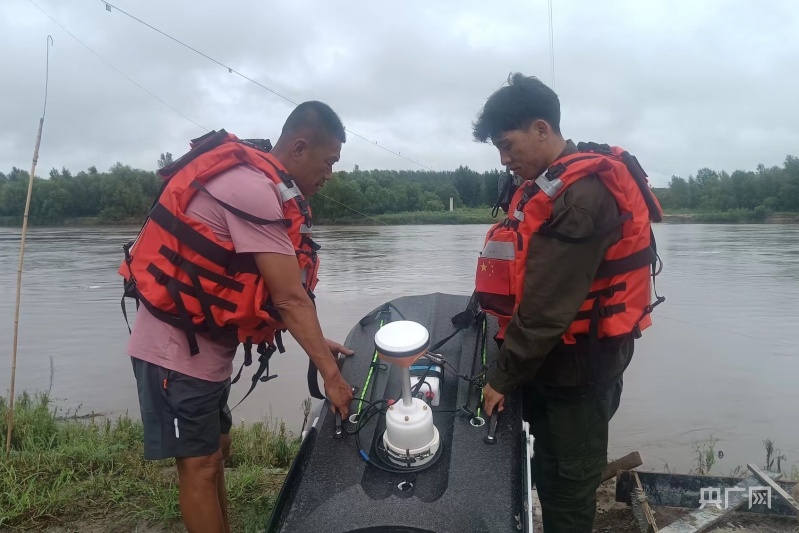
x=681, y=84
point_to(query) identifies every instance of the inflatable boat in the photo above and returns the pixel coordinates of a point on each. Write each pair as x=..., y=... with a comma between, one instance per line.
x=417, y=454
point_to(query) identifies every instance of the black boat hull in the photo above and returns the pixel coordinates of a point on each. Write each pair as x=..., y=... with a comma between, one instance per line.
x=473, y=486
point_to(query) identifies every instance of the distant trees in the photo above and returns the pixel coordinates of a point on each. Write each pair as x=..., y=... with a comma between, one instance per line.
x=121, y=193
x=125, y=194
x=165, y=160
x=765, y=190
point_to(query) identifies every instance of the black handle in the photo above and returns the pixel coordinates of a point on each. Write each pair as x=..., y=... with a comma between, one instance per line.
x=492, y=428
x=339, y=431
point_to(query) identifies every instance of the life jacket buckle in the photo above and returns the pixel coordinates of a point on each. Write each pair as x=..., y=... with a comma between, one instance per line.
x=555, y=171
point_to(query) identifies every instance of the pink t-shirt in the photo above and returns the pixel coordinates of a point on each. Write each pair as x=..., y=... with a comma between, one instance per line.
x=253, y=192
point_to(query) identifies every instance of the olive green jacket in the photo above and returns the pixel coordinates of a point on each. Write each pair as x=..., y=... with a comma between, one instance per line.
x=557, y=280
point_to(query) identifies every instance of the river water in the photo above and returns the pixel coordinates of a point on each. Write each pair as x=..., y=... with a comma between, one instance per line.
x=721, y=361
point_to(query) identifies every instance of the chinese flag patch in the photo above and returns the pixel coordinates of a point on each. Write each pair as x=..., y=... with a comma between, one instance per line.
x=493, y=276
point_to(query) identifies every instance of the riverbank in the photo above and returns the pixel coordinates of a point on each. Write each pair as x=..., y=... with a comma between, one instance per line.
x=465, y=215
x=66, y=472
x=69, y=472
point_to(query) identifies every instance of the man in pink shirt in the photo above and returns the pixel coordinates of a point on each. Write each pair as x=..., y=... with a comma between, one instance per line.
x=183, y=397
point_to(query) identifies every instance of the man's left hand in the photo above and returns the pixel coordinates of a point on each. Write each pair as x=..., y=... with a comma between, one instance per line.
x=492, y=399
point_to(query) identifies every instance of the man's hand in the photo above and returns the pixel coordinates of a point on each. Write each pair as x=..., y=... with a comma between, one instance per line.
x=282, y=275
x=339, y=393
x=336, y=349
x=492, y=399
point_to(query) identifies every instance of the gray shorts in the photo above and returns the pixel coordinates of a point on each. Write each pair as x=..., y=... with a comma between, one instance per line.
x=182, y=416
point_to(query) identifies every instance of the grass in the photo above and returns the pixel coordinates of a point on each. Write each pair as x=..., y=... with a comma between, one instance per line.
x=67, y=470
x=734, y=216
x=463, y=215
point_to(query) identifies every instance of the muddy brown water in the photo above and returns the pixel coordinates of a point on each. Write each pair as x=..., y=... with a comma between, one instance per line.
x=721, y=361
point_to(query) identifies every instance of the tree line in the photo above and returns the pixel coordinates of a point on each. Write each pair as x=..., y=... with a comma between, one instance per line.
x=125, y=194
x=764, y=190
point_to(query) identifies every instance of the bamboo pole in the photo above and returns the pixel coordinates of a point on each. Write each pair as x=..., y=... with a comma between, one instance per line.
x=22, y=255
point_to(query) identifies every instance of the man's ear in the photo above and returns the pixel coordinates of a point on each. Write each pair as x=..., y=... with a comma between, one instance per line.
x=540, y=129
x=299, y=147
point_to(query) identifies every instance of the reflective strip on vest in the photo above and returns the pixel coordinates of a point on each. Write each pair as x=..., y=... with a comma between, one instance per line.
x=499, y=250
x=304, y=275
x=518, y=215
x=287, y=193
x=550, y=188
x=305, y=228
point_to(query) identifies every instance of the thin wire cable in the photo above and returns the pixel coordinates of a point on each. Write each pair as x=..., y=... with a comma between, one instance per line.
x=551, y=45
x=107, y=62
x=231, y=70
x=50, y=43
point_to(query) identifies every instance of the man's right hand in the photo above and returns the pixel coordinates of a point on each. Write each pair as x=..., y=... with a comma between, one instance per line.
x=282, y=275
x=339, y=393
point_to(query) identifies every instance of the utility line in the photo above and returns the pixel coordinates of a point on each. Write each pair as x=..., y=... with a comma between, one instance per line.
x=107, y=62
x=110, y=7
x=552, y=45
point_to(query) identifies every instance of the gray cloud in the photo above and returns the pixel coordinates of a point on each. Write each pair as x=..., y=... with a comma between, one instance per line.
x=681, y=84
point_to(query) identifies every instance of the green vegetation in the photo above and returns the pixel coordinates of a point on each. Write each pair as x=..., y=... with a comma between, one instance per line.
x=124, y=195
x=738, y=197
x=69, y=469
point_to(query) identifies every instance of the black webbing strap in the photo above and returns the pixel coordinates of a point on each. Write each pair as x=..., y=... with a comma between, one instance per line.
x=601, y=311
x=213, y=328
x=162, y=278
x=614, y=267
x=125, y=311
x=608, y=291
x=266, y=352
x=597, y=312
x=279, y=341
x=547, y=231
x=313, y=381
x=247, y=359
x=129, y=285
x=190, y=237
x=238, y=212
x=187, y=324
x=176, y=259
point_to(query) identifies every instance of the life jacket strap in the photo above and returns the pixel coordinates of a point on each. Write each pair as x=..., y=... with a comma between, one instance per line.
x=614, y=267
x=195, y=240
x=178, y=260
x=185, y=320
x=238, y=212
x=265, y=351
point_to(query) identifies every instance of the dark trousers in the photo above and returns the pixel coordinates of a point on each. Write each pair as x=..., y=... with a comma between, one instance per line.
x=571, y=445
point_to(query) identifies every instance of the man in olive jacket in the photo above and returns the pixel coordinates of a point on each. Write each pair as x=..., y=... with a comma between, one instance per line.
x=568, y=418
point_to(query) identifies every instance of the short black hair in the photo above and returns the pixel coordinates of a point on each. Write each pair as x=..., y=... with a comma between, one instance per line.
x=515, y=106
x=317, y=117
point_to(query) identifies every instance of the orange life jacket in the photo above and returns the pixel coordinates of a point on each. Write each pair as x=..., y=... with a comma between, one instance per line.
x=619, y=301
x=186, y=276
